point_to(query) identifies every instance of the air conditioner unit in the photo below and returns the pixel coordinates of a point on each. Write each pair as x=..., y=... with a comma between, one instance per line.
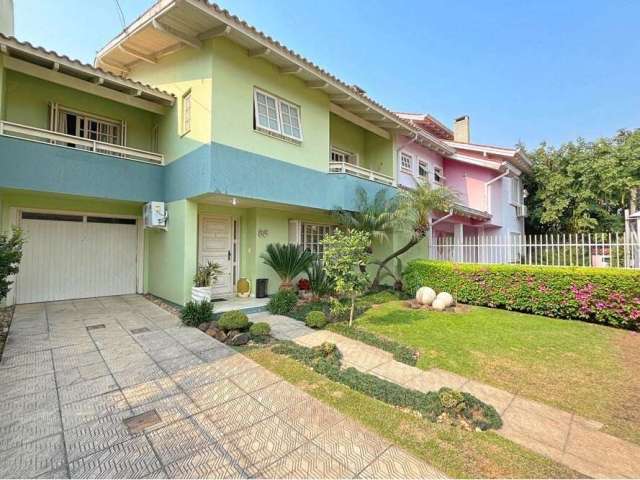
x=155, y=215
x=521, y=211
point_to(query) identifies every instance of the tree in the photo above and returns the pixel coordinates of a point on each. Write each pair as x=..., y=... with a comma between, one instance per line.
x=10, y=256
x=582, y=186
x=414, y=207
x=288, y=261
x=375, y=217
x=345, y=252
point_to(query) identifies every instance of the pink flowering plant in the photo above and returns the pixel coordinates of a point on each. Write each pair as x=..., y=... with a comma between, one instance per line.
x=603, y=295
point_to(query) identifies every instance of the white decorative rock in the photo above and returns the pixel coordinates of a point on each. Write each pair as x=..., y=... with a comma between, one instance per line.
x=438, y=304
x=425, y=295
x=446, y=298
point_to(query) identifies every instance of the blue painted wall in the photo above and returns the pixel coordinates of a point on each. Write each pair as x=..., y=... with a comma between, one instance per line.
x=213, y=168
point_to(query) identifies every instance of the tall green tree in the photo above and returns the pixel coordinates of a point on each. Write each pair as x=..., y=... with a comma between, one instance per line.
x=583, y=186
x=10, y=256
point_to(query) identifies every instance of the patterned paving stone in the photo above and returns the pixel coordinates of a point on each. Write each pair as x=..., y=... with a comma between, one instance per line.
x=23, y=372
x=94, y=436
x=29, y=427
x=210, y=462
x=261, y=444
x=173, y=365
x=81, y=374
x=138, y=374
x=173, y=351
x=396, y=463
x=170, y=409
x=232, y=416
x=17, y=407
x=91, y=409
x=215, y=353
x=310, y=418
x=179, y=440
x=38, y=358
x=213, y=394
x=64, y=362
x=148, y=392
x=351, y=444
x=280, y=396
x=33, y=459
x=87, y=389
x=131, y=459
x=194, y=377
x=255, y=379
x=28, y=386
x=308, y=461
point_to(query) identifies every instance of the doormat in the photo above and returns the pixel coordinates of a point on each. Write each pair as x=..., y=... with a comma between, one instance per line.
x=138, y=423
x=218, y=299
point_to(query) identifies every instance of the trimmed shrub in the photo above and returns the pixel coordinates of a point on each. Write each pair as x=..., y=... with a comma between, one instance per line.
x=443, y=406
x=195, y=313
x=282, y=302
x=260, y=329
x=315, y=319
x=233, y=320
x=301, y=311
x=400, y=352
x=609, y=296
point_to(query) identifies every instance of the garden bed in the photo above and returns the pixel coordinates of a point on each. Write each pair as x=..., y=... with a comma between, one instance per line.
x=6, y=314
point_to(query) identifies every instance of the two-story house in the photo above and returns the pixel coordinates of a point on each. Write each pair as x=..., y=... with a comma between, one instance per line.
x=246, y=142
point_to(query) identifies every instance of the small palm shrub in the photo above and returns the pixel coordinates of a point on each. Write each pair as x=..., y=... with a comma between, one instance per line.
x=282, y=302
x=315, y=319
x=233, y=320
x=260, y=329
x=207, y=274
x=319, y=282
x=195, y=313
x=288, y=261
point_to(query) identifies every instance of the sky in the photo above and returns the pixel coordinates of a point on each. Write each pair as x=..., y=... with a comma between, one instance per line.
x=524, y=71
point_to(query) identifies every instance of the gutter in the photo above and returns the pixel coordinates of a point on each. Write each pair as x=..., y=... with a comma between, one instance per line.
x=490, y=182
x=441, y=219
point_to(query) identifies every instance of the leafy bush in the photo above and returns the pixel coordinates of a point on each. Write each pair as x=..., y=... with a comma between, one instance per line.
x=260, y=329
x=319, y=282
x=233, y=320
x=10, y=256
x=435, y=406
x=288, y=261
x=339, y=311
x=609, y=296
x=328, y=350
x=282, y=302
x=301, y=310
x=195, y=313
x=315, y=319
x=400, y=352
x=207, y=274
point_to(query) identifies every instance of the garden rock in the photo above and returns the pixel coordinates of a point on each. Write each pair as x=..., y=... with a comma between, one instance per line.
x=204, y=326
x=221, y=336
x=239, y=339
x=425, y=295
x=212, y=332
x=438, y=305
x=446, y=298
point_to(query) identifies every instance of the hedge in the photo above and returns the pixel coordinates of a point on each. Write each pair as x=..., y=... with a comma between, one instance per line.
x=609, y=296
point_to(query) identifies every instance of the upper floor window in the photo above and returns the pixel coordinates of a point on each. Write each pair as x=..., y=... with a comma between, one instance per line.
x=516, y=191
x=406, y=162
x=277, y=116
x=343, y=156
x=186, y=112
x=90, y=127
x=423, y=168
x=438, y=175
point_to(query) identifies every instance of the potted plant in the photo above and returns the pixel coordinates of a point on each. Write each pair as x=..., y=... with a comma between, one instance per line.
x=205, y=276
x=288, y=261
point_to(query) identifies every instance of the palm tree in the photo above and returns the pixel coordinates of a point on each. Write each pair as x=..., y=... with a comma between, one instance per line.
x=288, y=261
x=375, y=217
x=414, y=208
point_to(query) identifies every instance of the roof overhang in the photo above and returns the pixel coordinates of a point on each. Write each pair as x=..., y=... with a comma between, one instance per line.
x=472, y=213
x=171, y=25
x=516, y=156
x=24, y=57
x=430, y=123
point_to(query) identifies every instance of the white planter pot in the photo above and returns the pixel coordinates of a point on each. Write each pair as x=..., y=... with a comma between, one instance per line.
x=200, y=294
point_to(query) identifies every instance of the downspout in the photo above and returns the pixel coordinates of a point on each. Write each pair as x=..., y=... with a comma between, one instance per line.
x=487, y=184
x=441, y=219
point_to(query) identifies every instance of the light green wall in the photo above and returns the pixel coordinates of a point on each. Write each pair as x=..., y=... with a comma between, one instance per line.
x=27, y=101
x=374, y=152
x=2, y=88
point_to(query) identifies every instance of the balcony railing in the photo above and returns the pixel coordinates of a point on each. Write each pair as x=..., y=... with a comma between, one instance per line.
x=33, y=134
x=357, y=171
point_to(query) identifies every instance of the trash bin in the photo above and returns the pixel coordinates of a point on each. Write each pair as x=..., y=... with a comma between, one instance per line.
x=261, y=287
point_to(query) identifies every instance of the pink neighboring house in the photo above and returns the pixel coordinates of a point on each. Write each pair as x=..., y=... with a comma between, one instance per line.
x=485, y=178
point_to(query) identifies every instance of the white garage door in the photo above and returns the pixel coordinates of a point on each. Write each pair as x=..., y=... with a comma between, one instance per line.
x=76, y=256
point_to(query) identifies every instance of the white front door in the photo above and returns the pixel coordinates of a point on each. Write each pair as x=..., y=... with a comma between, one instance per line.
x=215, y=244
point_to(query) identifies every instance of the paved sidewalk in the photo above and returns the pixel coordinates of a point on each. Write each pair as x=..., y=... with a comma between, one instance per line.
x=562, y=436
x=115, y=388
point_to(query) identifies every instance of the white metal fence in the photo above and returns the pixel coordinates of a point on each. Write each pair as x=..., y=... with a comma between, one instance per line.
x=585, y=250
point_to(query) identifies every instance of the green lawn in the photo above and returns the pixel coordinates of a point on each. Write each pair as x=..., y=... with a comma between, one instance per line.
x=456, y=452
x=585, y=368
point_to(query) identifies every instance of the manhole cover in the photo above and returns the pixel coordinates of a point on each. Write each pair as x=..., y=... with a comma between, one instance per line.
x=136, y=331
x=96, y=327
x=138, y=423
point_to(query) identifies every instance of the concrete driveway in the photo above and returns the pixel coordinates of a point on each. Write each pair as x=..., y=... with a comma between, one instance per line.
x=115, y=388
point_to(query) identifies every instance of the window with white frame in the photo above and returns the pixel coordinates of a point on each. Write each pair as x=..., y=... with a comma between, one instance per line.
x=423, y=168
x=88, y=126
x=312, y=235
x=342, y=156
x=516, y=191
x=186, y=112
x=438, y=175
x=406, y=162
x=277, y=116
